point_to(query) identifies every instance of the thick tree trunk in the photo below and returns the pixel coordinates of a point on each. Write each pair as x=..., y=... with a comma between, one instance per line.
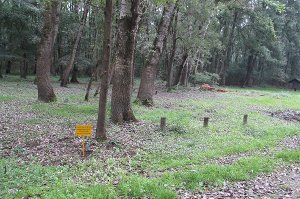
x=101, y=130
x=74, y=78
x=24, y=67
x=172, y=57
x=149, y=70
x=8, y=67
x=125, y=45
x=45, y=51
x=179, y=71
x=184, y=75
x=66, y=74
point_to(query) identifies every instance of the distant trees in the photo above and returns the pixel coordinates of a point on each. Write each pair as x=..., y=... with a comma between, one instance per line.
x=180, y=42
x=45, y=50
x=19, y=34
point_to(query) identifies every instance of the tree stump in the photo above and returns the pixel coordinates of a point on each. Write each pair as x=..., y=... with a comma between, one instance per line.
x=205, y=123
x=245, y=119
x=163, y=123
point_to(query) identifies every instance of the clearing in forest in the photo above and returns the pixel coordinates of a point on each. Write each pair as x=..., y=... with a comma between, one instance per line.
x=40, y=156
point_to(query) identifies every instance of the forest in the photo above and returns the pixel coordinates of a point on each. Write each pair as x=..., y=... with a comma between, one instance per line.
x=181, y=98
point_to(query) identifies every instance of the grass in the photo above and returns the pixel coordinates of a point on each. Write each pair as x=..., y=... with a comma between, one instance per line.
x=65, y=110
x=185, y=147
x=22, y=180
x=6, y=98
x=213, y=174
x=290, y=156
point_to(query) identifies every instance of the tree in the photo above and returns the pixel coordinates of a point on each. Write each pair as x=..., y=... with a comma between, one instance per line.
x=1, y=76
x=101, y=131
x=125, y=47
x=20, y=23
x=66, y=74
x=145, y=93
x=45, y=50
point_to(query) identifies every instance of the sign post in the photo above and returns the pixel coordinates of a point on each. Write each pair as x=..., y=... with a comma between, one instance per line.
x=83, y=131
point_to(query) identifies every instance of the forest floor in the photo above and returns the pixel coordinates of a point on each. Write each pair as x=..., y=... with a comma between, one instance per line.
x=40, y=157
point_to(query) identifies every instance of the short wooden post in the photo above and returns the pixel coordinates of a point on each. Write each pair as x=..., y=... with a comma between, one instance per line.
x=245, y=119
x=205, y=123
x=163, y=123
x=83, y=149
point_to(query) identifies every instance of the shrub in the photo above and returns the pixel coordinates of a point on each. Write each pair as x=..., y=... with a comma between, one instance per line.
x=205, y=77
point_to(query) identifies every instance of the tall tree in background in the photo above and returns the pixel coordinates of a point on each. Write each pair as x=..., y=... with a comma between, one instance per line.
x=1, y=76
x=106, y=68
x=149, y=71
x=125, y=47
x=45, y=51
x=67, y=71
x=229, y=47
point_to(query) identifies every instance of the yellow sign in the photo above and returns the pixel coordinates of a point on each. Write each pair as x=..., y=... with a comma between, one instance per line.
x=83, y=130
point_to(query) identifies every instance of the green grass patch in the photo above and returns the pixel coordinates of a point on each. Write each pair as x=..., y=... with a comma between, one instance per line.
x=19, y=179
x=22, y=180
x=5, y=98
x=243, y=169
x=289, y=156
x=80, y=112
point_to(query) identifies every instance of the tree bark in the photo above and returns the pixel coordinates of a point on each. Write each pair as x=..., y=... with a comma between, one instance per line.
x=45, y=51
x=24, y=67
x=74, y=78
x=174, y=46
x=250, y=67
x=101, y=130
x=8, y=67
x=125, y=45
x=179, y=71
x=145, y=93
x=87, y=94
x=67, y=71
x=1, y=76
x=184, y=74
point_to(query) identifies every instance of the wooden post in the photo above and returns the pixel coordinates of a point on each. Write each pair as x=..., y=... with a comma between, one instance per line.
x=205, y=123
x=245, y=119
x=163, y=122
x=83, y=147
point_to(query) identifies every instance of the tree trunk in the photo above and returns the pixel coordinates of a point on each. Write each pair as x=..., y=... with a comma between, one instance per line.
x=184, y=74
x=24, y=67
x=8, y=67
x=250, y=67
x=45, y=51
x=101, y=130
x=178, y=74
x=87, y=94
x=75, y=75
x=67, y=71
x=125, y=45
x=1, y=76
x=174, y=46
x=149, y=70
